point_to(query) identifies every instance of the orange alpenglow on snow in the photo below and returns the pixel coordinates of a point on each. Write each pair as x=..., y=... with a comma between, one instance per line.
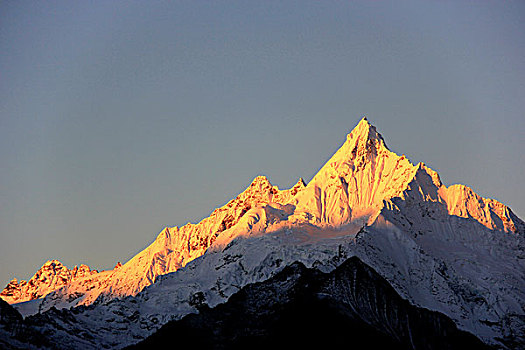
x=363, y=183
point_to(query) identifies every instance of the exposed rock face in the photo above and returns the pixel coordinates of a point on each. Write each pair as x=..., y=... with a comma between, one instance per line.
x=50, y=277
x=10, y=321
x=9, y=317
x=304, y=308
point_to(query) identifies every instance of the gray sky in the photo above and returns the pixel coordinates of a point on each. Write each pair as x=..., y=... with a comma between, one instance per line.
x=120, y=118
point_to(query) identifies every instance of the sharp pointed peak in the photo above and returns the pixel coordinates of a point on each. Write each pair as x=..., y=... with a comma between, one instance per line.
x=261, y=182
x=365, y=131
x=300, y=183
x=363, y=144
x=261, y=179
x=364, y=120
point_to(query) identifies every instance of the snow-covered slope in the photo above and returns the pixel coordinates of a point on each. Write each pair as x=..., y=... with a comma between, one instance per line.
x=300, y=308
x=50, y=277
x=425, y=280
x=442, y=248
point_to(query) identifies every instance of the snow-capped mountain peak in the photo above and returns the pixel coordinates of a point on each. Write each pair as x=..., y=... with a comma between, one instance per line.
x=365, y=131
x=363, y=176
x=363, y=144
x=410, y=224
x=355, y=181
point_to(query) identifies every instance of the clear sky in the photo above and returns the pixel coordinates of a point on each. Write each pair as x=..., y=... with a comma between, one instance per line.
x=120, y=118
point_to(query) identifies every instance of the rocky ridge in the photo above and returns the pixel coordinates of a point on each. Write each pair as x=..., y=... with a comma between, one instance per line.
x=173, y=248
x=50, y=277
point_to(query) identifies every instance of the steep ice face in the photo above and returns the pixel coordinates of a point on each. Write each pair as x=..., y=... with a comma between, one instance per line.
x=463, y=202
x=353, y=184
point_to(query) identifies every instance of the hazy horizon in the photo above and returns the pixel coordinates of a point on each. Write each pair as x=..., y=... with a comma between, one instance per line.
x=118, y=119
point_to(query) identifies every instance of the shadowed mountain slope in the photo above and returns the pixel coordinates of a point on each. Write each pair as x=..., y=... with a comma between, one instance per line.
x=352, y=306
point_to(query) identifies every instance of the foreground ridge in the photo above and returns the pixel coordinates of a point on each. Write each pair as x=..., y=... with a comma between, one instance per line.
x=306, y=307
x=298, y=306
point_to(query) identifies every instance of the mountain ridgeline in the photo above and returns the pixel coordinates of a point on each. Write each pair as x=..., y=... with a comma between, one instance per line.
x=445, y=249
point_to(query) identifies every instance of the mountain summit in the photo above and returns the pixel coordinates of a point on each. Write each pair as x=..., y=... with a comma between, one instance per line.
x=356, y=179
x=364, y=177
x=443, y=248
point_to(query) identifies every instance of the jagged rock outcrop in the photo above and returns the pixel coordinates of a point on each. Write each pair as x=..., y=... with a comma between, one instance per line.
x=50, y=277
